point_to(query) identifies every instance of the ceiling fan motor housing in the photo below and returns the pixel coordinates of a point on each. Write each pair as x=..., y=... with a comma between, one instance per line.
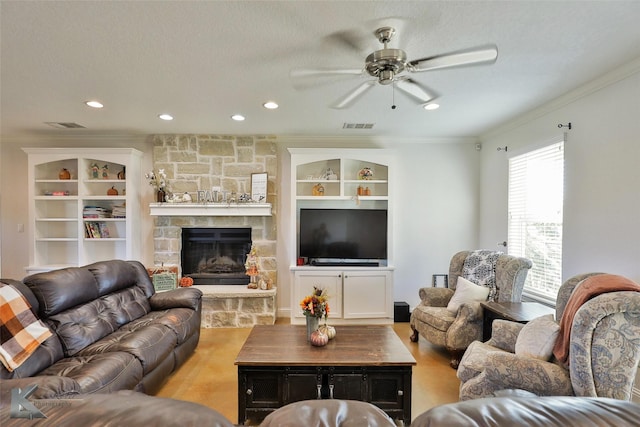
x=385, y=64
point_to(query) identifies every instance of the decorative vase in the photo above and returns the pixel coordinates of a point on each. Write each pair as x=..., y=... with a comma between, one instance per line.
x=160, y=195
x=312, y=325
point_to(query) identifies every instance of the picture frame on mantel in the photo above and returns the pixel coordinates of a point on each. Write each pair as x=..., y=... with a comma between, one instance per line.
x=259, y=187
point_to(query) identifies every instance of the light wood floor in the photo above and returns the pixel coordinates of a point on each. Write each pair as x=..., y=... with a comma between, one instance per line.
x=209, y=377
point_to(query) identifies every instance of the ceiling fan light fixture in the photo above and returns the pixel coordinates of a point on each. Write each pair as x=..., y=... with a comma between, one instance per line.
x=431, y=106
x=386, y=77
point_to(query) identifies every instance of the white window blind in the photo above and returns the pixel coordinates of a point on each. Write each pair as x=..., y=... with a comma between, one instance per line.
x=536, y=183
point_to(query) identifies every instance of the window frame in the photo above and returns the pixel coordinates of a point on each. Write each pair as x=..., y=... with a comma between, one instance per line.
x=545, y=221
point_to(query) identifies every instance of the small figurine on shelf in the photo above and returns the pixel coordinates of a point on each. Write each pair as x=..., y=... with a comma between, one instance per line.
x=105, y=172
x=94, y=171
x=251, y=267
x=318, y=190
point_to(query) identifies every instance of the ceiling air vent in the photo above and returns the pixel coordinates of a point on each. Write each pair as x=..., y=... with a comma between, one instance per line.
x=357, y=126
x=65, y=125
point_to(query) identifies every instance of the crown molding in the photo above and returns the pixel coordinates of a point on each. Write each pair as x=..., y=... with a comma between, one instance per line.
x=587, y=89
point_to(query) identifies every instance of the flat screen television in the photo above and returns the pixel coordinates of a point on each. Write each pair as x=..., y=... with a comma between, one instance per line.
x=337, y=236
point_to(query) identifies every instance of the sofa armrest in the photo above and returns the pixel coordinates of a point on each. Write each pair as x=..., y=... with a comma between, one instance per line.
x=435, y=297
x=504, y=334
x=466, y=328
x=537, y=376
x=48, y=387
x=176, y=298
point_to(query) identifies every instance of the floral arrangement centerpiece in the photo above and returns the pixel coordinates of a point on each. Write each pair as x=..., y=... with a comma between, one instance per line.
x=158, y=180
x=316, y=304
x=315, y=307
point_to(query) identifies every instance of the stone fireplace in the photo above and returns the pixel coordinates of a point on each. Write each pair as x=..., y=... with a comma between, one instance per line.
x=202, y=162
x=215, y=256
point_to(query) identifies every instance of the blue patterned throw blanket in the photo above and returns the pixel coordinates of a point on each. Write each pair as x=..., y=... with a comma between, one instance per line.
x=480, y=268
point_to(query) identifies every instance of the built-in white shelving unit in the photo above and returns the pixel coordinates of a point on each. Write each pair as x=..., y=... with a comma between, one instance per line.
x=331, y=179
x=75, y=217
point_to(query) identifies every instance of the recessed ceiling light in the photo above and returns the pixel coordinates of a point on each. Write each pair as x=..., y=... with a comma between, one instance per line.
x=165, y=116
x=270, y=105
x=94, y=104
x=238, y=117
x=431, y=106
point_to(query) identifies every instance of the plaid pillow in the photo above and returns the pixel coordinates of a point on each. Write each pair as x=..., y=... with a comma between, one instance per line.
x=20, y=332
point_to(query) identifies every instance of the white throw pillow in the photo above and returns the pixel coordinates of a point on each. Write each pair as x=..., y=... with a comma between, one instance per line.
x=537, y=338
x=466, y=291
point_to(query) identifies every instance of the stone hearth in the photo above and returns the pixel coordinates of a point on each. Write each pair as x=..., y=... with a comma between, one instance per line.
x=230, y=306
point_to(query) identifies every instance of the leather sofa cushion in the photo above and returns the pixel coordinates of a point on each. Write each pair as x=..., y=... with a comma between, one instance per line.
x=183, y=322
x=48, y=387
x=556, y=411
x=124, y=408
x=62, y=289
x=85, y=324
x=150, y=344
x=114, y=275
x=329, y=413
x=59, y=290
x=97, y=373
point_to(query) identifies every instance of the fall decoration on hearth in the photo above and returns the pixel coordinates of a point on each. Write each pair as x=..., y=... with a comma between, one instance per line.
x=186, y=281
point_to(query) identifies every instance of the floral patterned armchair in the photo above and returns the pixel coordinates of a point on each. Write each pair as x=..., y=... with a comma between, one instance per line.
x=603, y=352
x=455, y=331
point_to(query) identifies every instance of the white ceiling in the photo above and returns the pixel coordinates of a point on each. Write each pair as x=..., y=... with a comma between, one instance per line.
x=202, y=61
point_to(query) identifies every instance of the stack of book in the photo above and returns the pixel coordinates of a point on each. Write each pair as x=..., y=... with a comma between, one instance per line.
x=96, y=230
x=95, y=212
x=119, y=212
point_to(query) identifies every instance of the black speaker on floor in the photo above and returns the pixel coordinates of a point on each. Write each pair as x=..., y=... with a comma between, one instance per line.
x=400, y=311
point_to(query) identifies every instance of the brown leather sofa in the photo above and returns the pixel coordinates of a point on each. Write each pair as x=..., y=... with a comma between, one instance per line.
x=549, y=411
x=111, y=330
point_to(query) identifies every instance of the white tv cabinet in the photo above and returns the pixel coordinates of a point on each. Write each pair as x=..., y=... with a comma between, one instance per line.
x=358, y=294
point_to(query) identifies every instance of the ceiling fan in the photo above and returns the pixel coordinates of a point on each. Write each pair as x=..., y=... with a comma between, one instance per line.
x=388, y=67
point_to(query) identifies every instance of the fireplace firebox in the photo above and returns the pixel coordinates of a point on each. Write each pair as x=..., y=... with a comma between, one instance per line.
x=215, y=256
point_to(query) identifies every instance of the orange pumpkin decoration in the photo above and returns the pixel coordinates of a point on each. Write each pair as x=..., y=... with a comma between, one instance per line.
x=112, y=192
x=186, y=281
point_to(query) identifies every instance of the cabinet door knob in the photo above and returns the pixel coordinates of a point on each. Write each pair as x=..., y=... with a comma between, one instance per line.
x=400, y=393
x=249, y=391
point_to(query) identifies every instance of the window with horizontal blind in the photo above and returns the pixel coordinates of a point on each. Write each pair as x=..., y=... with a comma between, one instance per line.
x=536, y=190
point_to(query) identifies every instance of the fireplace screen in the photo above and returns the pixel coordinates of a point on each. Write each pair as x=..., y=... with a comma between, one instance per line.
x=215, y=256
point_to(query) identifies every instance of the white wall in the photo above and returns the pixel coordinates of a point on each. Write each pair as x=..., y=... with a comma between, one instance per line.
x=602, y=174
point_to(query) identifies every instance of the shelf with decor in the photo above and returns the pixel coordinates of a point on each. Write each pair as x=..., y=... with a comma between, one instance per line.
x=64, y=183
x=351, y=180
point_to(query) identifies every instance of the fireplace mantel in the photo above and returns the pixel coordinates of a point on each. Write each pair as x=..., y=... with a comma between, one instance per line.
x=210, y=209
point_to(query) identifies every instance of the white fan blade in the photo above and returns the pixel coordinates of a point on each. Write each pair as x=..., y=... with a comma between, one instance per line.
x=415, y=90
x=352, y=96
x=303, y=78
x=475, y=56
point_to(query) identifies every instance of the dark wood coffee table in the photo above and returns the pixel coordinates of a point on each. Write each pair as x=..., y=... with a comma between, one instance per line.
x=277, y=366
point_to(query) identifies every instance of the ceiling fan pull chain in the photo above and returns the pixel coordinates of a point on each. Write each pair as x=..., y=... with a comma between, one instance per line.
x=393, y=96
